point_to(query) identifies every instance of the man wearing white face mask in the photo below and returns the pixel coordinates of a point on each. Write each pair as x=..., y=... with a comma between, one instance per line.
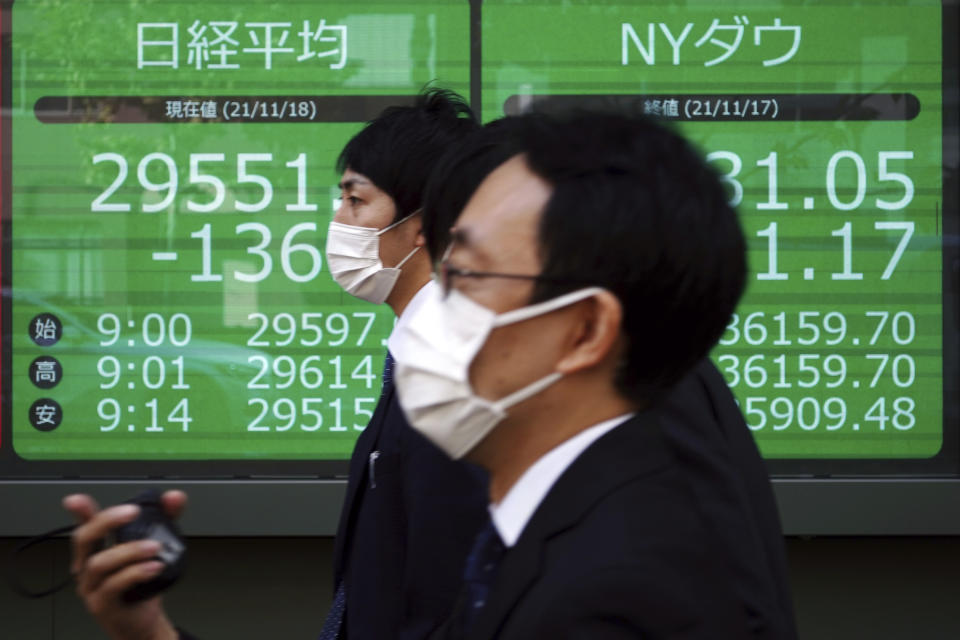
x=591, y=270
x=410, y=513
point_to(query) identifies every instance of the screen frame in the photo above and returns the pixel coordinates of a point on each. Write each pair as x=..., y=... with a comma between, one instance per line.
x=284, y=508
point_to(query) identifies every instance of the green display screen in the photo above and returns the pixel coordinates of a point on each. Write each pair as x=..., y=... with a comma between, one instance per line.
x=172, y=180
x=825, y=119
x=169, y=178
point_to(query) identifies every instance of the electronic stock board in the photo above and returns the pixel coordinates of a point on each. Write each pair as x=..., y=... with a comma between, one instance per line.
x=168, y=181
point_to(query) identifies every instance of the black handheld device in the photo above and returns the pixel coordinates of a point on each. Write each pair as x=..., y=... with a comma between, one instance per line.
x=152, y=522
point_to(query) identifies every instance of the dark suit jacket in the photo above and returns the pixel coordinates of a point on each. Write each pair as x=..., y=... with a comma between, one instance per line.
x=663, y=528
x=407, y=524
x=708, y=435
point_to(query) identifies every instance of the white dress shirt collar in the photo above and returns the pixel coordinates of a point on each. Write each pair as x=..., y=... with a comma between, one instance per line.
x=417, y=301
x=511, y=515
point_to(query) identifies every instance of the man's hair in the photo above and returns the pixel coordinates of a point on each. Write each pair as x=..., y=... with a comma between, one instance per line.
x=635, y=209
x=459, y=173
x=400, y=147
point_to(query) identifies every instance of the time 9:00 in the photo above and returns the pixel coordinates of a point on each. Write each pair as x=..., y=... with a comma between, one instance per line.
x=154, y=329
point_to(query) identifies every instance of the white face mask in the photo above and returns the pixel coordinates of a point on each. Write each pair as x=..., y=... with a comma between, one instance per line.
x=353, y=255
x=432, y=353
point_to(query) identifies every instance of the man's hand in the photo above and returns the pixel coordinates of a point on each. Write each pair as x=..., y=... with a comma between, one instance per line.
x=102, y=576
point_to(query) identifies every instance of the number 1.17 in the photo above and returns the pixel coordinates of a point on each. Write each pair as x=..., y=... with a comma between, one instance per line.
x=845, y=233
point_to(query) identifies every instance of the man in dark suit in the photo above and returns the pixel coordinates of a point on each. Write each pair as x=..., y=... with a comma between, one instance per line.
x=410, y=513
x=604, y=261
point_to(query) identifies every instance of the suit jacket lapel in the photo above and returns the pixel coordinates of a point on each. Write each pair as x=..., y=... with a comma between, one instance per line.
x=632, y=449
x=359, y=462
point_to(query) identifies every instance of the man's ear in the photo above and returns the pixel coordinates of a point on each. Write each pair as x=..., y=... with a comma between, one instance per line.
x=416, y=225
x=595, y=335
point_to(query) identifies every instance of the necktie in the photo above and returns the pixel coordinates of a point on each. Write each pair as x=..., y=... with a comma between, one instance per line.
x=334, y=622
x=387, y=372
x=481, y=569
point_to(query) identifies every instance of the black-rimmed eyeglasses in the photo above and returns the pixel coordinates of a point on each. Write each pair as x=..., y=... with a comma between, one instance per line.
x=446, y=273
